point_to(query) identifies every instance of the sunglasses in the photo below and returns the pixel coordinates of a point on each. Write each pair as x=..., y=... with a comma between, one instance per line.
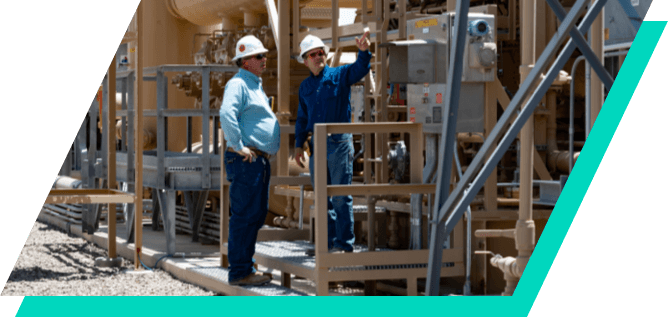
x=317, y=53
x=258, y=57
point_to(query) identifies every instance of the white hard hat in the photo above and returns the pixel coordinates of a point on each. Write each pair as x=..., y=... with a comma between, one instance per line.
x=308, y=43
x=248, y=46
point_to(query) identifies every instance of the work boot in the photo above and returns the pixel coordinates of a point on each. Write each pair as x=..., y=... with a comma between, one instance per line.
x=254, y=279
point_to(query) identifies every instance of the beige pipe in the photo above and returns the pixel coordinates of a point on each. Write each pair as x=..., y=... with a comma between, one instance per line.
x=528, y=26
x=211, y=12
x=525, y=237
x=508, y=265
x=149, y=137
x=525, y=230
x=558, y=160
x=66, y=182
x=597, y=37
x=469, y=138
x=511, y=272
x=495, y=233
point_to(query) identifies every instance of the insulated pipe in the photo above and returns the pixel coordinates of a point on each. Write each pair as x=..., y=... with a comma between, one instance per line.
x=66, y=182
x=211, y=12
x=149, y=137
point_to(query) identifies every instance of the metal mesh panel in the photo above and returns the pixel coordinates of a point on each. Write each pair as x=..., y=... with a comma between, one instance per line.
x=293, y=252
x=220, y=274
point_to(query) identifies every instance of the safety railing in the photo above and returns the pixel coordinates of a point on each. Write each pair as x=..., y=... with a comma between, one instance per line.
x=405, y=264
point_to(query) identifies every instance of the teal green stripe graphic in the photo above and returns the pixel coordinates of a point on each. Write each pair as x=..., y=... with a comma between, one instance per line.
x=517, y=305
x=588, y=162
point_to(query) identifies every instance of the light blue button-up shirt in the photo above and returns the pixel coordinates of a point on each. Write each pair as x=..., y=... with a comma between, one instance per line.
x=246, y=116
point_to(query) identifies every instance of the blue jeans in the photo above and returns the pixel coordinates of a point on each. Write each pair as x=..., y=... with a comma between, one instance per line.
x=249, y=203
x=340, y=221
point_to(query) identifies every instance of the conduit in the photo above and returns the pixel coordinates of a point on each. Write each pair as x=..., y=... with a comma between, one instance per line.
x=571, y=156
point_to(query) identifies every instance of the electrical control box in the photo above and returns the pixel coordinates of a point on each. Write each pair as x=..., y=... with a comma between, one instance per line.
x=425, y=56
x=426, y=105
x=421, y=64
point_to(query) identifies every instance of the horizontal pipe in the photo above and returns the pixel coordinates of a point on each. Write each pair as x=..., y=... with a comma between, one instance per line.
x=66, y=182
x=495, y=233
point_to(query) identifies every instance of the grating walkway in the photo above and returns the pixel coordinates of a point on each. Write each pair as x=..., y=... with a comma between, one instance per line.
x=219, y=274
x=293, y=253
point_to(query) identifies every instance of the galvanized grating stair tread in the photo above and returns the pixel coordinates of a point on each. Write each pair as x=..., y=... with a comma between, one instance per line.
x=220, y=274
x=293, y=252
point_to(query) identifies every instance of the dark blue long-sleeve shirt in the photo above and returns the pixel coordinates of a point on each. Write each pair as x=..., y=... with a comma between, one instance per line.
x=326, y=98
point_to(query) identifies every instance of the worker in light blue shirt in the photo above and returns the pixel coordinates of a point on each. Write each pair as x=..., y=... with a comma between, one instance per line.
x=324, y=97
x=253, y=136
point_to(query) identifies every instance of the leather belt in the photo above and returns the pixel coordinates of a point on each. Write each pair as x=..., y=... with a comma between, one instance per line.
x=257, y=152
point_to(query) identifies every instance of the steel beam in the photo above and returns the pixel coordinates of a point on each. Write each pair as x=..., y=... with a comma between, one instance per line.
x=463, y=188
x=167, y=199
x=514, y=105
x=631, y=13
x=446, y=149
x=515, y=126
x=206, y=163
x=584, y=47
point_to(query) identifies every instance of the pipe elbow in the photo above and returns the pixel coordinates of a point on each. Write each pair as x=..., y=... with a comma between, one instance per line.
x=507, y=265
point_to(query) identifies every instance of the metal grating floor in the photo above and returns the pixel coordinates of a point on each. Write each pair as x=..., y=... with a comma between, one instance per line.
x=220, y=274
x=293, y=252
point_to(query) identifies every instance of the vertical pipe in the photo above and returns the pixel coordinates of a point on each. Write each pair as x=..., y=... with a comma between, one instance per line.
x=571, y=129
x=596, y=83
x=283, y=82
x=367, y=110
x=206, y=163
x=588, y=119
x=111, y=158
x=525, y=234
x=335, y=24
x=384, y=77
x=527, y=25
x=295, y=26
x=139, y=134
x=224, y=204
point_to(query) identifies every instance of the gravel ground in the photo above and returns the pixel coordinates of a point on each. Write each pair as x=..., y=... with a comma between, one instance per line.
x=55, y=263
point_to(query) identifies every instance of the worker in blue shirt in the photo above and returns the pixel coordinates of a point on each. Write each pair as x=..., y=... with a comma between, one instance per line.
x=324, y=97
x=253, y=136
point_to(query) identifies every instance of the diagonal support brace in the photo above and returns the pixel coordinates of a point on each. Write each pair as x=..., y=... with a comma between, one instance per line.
x=583, y=46
x=513, y=108
x=631, y=13
x=523, y=115
x=446, y=149
x=495, y=135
